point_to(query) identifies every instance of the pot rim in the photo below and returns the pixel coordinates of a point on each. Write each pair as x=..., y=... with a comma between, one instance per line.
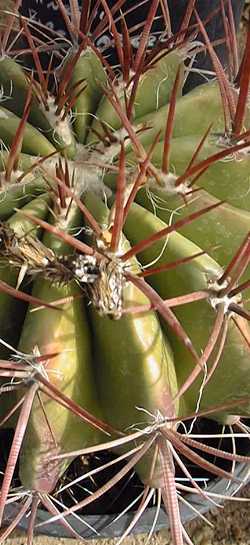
x=114, y=526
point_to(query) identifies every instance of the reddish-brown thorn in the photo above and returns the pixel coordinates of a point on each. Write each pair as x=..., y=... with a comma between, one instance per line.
x=186, y=299
x=52, y=391
x=12, y=411
x=196, y=458
x=192, y=29
x=214, y=335
x=13, y=365
x=244, y=83
x=66, y=74
x=61, y=100
x=80, y=87
x=137, y=248
x=212, y=159
x=140, y=178
x=37, y=164
x=168, y=266
x=222, y=340
x=127, y=51
x=75, y=13
x=237, y=309
x=227, y=96
x=68, y=239
x=115, y=33
x=166, y=17
x=170, y=123
x=63, y=301
x=169, y=491
x=52, y=509
x=100, y=136
x=141, y=51
x=114, y=100
x=61, y=192
x=165, y=312
x=16, y=146
x=16, y=520
x=32, y=518
x=240, y=70
x=163, y=47
x=47, y=422
x=194, y=180
x=239, y=289
x=242, y=329
x=13, y=374
x=243, y=136
x=211, y=450
x=216, y=409
x=49, y=71
x=5, y=288
x=37, y=62
x=84, y=19
x=111, y=138
x=233, y=41
x=86, y=213
x=199, y=147
x=16, y=445
x=123, y=440
x=236, y=259
x=66, y=174
x=186, y=19
x=104, y=24
x=192, y=480
x=146, y=498
x=236, y=267
x=9, y=24
x=173, y=302
x=119, y=202
x=227, y=36
x=72, y=29
x=107, y=486
x=37, y=90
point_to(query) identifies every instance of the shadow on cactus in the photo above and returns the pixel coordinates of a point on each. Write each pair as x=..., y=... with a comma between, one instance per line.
x=124, y=253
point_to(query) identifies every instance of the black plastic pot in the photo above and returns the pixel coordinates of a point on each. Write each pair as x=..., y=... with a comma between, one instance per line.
x=112, y=526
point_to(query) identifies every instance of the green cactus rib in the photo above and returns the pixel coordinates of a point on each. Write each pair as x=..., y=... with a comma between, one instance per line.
x=11, y=310
x=226, y=179
x=145, y=362
x=153, y=91
x=63, y=332
x=90, y=72
x=15, y=85
x=231, y=379
x=219, y=233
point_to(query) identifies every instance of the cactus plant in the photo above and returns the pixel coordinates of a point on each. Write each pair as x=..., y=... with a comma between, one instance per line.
x=124, y=248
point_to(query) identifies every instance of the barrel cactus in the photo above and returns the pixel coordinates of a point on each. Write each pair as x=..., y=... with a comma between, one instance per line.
x=124, y=249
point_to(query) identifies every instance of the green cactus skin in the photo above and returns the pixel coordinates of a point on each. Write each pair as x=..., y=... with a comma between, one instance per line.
x=153, y=92
x=231, y=379
x=63, y=332
x=146, y=362
x=11, y=309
